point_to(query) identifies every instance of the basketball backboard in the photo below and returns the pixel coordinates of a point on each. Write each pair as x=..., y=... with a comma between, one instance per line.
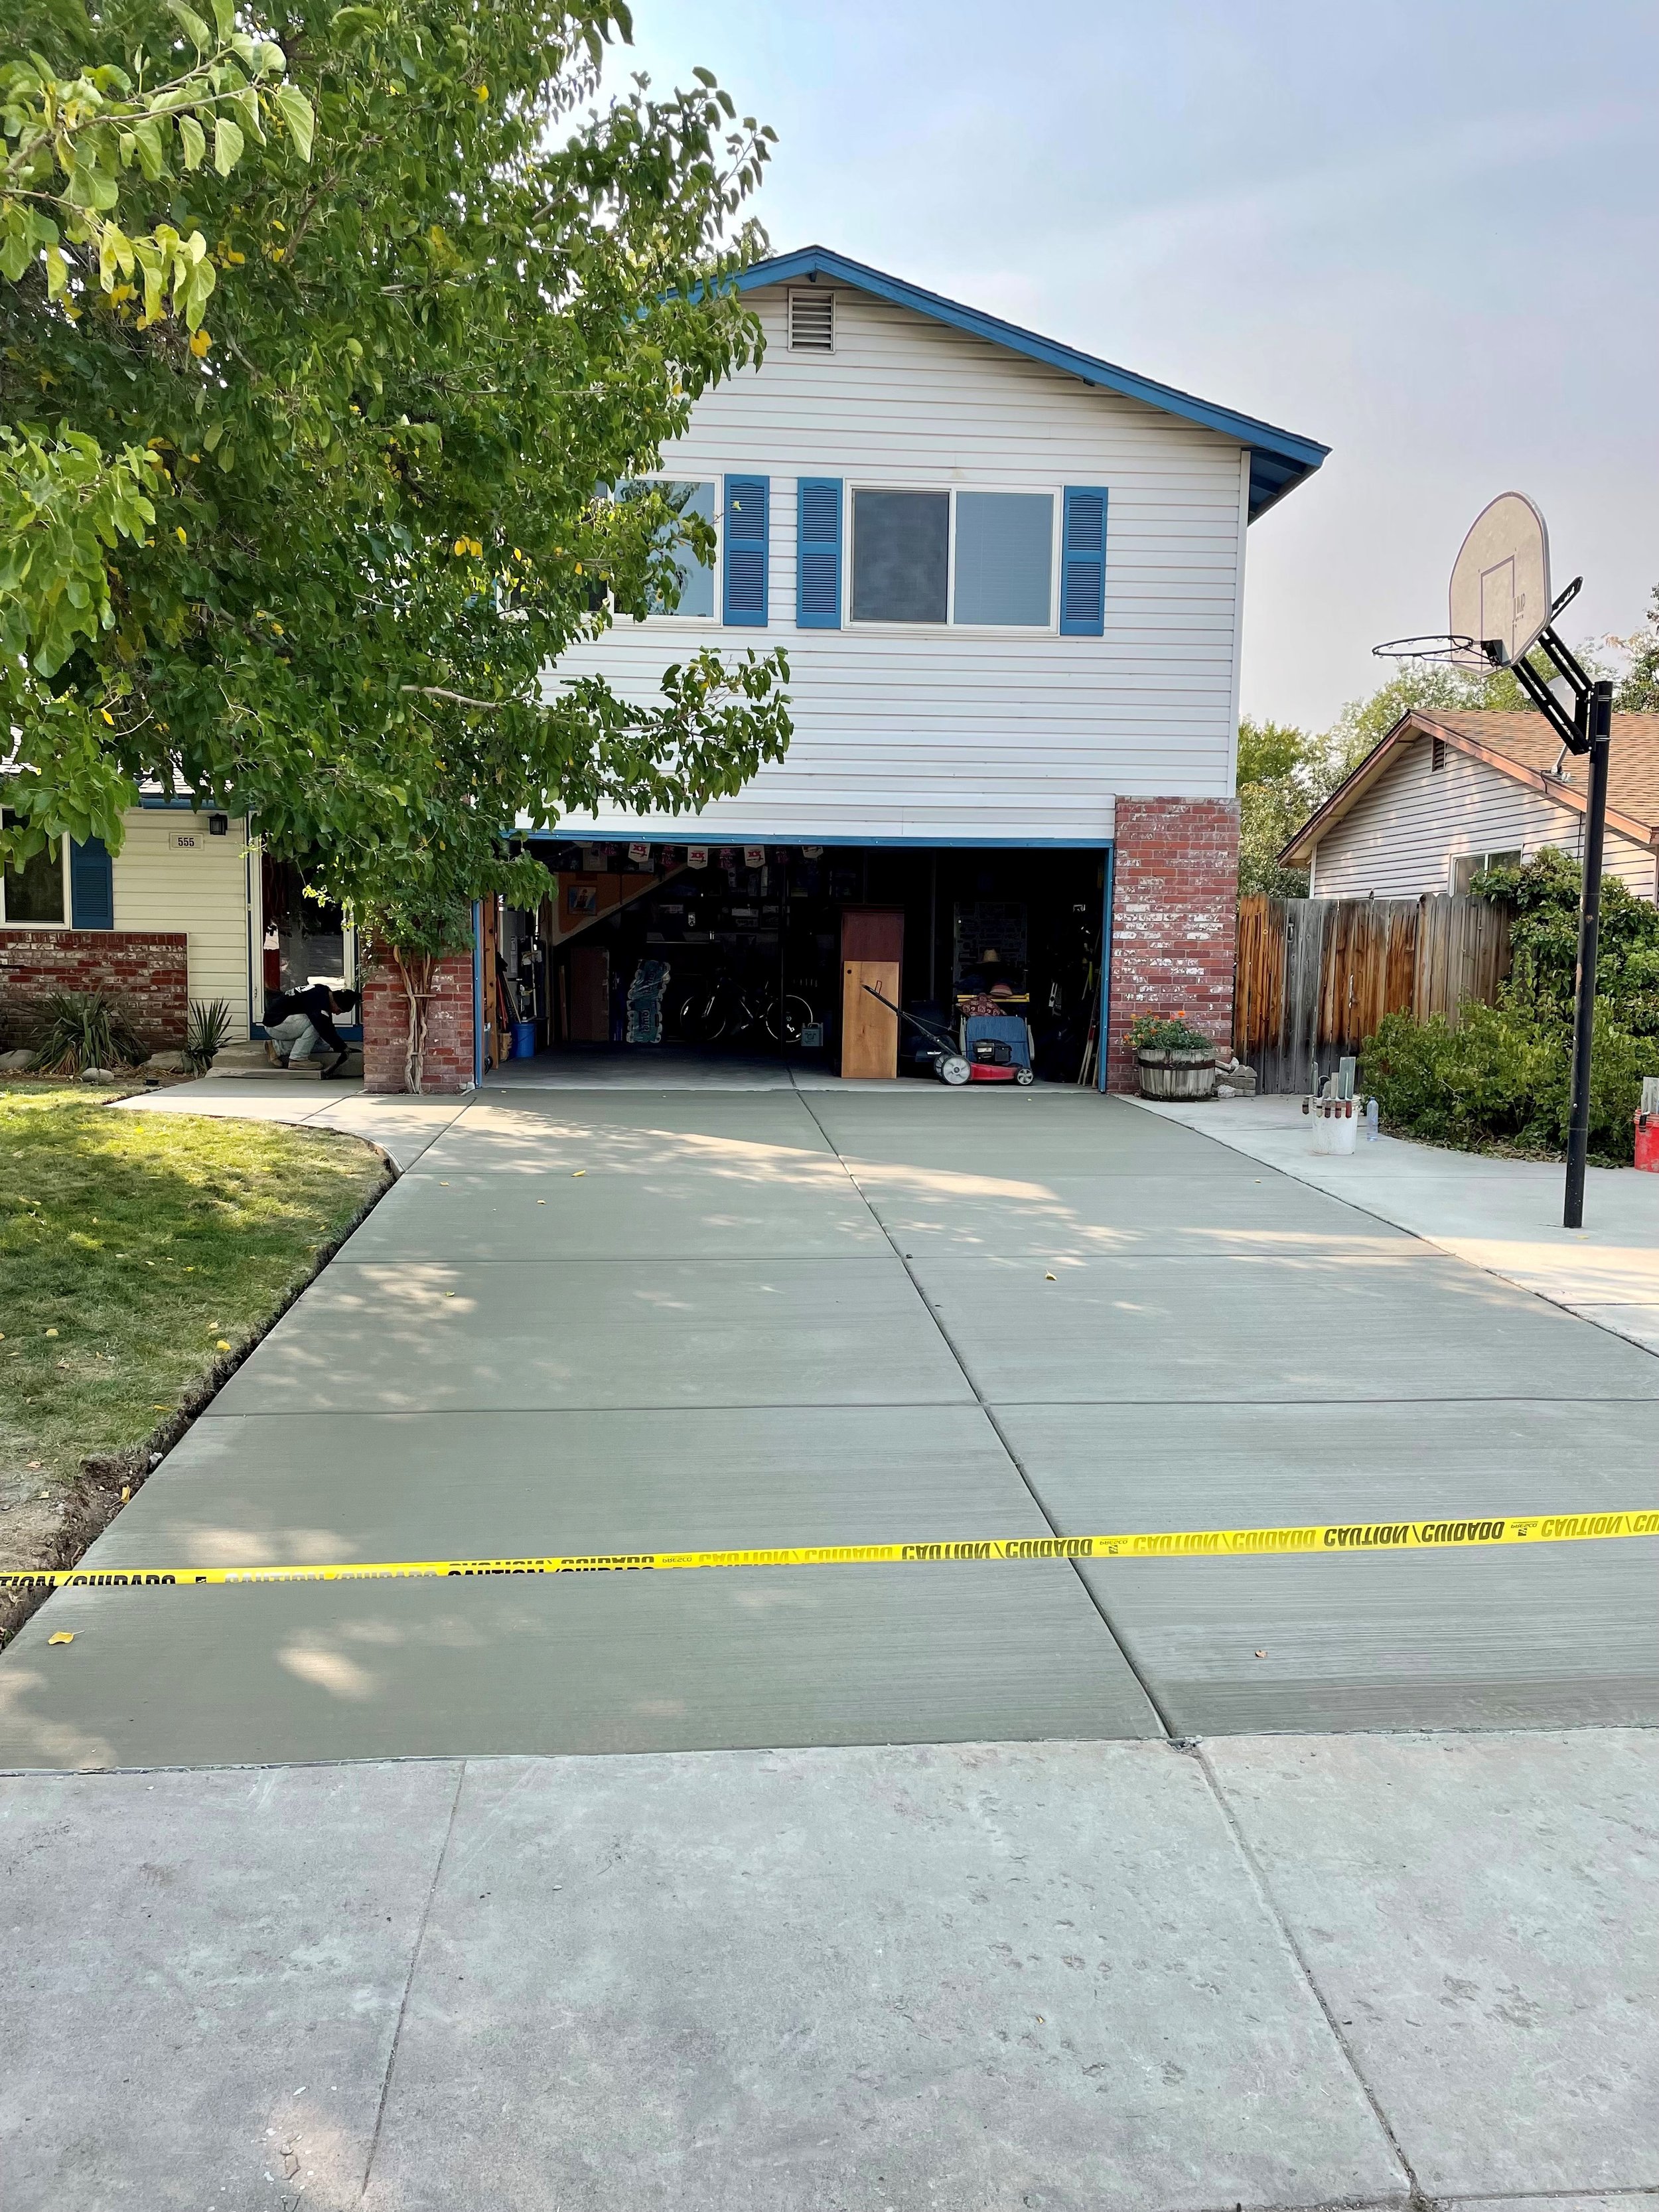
x=1500, y=583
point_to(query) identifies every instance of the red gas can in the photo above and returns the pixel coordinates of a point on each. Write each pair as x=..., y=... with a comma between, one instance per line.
x=1647, y=1142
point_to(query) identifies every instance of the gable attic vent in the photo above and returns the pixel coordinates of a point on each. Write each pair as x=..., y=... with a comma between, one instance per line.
x=812, y=322
x=1437, y=752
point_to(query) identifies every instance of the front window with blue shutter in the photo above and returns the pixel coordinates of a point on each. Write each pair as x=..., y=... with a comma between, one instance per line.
x=747, y=500
x=92, y=885
x=817, y=555
x=1083, y=563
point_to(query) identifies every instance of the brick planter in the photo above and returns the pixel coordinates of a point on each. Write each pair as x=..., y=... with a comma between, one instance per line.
x=1174, y=919
x=148, y=970
x=448, y=1064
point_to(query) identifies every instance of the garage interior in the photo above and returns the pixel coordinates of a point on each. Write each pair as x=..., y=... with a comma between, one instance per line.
x=801, y=953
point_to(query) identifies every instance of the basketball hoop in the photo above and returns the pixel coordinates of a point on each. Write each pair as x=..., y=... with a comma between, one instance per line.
x=1502, y=616
x=1443, y=646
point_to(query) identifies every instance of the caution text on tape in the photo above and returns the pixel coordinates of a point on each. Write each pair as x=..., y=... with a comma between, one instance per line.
x=1163, y=1544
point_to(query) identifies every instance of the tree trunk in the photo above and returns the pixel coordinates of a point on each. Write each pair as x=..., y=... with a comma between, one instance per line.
x=415, y=973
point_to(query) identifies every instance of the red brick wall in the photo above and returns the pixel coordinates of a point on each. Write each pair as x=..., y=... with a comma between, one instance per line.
x=1175, y=918
x=149, y=970
x=448, y=1064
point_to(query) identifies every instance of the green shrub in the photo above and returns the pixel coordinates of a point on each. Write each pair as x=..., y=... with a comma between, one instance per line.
x=1504, y=1076
x=1543, y=934
x=1166, y=1033
x=75, y=1029
x=205, y=1033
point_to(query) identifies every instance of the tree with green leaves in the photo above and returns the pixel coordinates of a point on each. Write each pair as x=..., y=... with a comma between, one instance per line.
x=326, y=336
x=1637, y=691
x=1282, y=774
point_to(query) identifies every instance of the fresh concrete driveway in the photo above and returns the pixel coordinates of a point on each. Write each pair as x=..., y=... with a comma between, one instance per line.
x=629, y=1320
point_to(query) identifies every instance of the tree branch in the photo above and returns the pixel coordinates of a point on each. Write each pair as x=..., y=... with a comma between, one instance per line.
x=460, y=698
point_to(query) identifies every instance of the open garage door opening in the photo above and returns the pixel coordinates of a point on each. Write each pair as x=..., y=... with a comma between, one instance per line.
x=856, y=960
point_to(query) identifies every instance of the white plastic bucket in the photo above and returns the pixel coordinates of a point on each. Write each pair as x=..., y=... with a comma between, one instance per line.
x=1335, y=1123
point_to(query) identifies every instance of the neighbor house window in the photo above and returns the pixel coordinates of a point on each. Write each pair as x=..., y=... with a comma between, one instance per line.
x=1468, y=866
x=978, y=559
x=694, y=496
x=35, y=892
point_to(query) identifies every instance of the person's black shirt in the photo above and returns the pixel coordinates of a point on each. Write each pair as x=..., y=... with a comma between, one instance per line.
x=316, y=1004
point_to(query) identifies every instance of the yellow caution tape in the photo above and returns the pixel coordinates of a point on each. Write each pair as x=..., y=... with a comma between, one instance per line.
x=1169, y=1544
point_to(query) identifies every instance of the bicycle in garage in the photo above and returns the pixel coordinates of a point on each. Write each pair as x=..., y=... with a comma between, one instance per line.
x=724, y=1009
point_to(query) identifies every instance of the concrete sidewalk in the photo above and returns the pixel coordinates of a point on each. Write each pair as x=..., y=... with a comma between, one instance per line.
x=1503, y=1215
x=1280, y=1972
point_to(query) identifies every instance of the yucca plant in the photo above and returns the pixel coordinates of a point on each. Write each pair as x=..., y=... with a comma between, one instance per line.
x=75, y=1029
x=205, y=1033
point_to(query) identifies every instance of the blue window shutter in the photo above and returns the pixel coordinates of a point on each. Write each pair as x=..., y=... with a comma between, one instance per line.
x=817, y=555
x=1083, y=563
x=747, y=500
x=92, y=886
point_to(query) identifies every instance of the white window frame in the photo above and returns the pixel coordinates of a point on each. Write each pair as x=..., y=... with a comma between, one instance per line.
x=717, y=572
x=1482, y=861
x=67, y=922
x=1056, y=496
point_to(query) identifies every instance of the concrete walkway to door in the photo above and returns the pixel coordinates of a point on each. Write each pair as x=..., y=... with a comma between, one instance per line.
x=632, y=1321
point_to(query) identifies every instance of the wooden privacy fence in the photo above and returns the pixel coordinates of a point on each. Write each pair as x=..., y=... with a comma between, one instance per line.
x=1315, y=976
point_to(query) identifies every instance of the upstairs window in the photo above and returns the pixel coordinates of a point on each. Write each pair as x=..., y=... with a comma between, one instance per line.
x=901, y=556
x=977, y=559
x=693, y=496
x=1004, y=557
x=812, y=321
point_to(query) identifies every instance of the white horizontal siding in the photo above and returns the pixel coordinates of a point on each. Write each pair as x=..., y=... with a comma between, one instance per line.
x=203, y=892
x=947, y=732
x=1401, y=837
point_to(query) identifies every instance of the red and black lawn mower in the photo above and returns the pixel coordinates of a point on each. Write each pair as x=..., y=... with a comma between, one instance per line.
x=988, y=1060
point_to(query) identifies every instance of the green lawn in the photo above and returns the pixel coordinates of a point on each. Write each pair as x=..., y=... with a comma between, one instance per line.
x=138, y=1250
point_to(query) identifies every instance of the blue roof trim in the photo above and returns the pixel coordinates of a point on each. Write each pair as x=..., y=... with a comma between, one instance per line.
x=1279, y=460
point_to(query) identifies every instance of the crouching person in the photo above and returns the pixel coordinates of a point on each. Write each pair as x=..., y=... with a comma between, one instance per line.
x=301, y=1024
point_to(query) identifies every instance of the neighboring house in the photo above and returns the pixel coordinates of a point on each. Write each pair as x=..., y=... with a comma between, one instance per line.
x=1445, y=794
x=1010, y=578
x=163, y=922
x=189, y=909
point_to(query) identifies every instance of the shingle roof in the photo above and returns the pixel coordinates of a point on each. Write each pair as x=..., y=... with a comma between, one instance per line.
x=1527, y=739
x=1521, y=746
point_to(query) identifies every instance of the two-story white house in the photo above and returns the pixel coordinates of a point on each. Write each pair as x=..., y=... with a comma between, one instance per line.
x=1009, y=577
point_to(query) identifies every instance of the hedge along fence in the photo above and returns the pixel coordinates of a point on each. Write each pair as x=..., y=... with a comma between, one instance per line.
x=1501, y=1074
x=1316, y=977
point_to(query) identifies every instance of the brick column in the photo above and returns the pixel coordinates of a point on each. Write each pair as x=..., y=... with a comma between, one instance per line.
x=1174, y=919
x=448, y=1064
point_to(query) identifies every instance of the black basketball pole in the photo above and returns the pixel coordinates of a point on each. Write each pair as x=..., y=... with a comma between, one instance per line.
x=1589, y=931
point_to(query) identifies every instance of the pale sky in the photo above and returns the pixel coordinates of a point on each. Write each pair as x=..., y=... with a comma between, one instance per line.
x=1425, y=233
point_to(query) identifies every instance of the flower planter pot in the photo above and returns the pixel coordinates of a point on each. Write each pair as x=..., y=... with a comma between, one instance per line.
x=1176, y=1075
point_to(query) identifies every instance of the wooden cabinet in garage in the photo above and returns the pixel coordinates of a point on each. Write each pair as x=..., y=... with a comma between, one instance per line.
x=872, y=953
x=590, y=995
